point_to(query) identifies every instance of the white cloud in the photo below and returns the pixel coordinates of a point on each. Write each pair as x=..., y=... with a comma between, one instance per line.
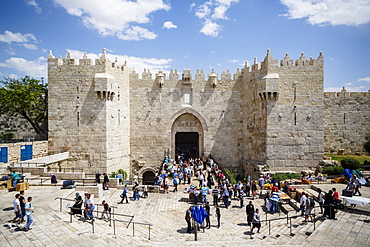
x=365, y=79
x=211, y=28
x=348, y=84
x=34, y=4
x=13, y=76
x=27, y=40
x=30, y=46
x=9, y=37
x=191, y=7
x=234, y=61
x=36, y=68
x=116, y=17
x=136, y=33
x=210, y=12
x=169, y=25
x=329, y=12
x=139, y=63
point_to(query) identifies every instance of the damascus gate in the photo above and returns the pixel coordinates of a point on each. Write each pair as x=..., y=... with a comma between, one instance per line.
x=272, y=114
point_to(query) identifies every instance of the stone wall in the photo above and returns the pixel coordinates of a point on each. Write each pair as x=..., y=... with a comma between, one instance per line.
x=162, y=107
x=347, y=121
x=20, y=127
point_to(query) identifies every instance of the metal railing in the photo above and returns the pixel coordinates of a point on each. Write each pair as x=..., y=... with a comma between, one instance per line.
x=111, y=219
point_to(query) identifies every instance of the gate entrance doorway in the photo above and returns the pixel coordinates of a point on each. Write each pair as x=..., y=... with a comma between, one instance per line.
x=149, y=178
x=187, y=144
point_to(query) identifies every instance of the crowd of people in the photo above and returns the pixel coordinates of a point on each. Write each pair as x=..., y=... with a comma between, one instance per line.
x=202, y=179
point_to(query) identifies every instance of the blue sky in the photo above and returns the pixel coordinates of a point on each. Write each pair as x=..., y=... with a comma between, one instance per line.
x=195, y=34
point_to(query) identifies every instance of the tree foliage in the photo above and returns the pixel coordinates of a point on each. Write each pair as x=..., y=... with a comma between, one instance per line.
x=28, y=98
x=350, y=163
x=367, y=143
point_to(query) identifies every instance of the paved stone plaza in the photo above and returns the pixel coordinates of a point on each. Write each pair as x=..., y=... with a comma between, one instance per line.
x=166, y=213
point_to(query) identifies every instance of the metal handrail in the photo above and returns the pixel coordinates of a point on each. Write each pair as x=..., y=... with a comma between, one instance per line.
x=111, y=220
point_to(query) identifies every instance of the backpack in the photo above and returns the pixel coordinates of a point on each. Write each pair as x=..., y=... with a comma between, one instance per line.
x=312, y=202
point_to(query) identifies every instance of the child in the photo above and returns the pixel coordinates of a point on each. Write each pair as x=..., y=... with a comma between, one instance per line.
x=107, y=210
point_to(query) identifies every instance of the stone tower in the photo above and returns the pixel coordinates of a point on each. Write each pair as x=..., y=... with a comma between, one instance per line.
x=89, y=112
x=284, y=112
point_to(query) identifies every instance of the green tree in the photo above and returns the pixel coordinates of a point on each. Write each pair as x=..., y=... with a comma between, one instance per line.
x=28, y=98
x=367, y=143
x=350, y=163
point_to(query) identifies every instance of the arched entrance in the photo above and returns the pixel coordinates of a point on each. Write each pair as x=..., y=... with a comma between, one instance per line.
x=187, y=136
x=149, y=178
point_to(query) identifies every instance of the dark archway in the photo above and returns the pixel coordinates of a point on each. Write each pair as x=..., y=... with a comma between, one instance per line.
x=187, y=136
x=149, y=178
x=187, y=144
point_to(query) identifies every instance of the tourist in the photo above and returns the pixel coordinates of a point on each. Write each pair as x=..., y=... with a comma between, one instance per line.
x=215, y=193
x=358, y=185
x=105, y=182
x=165, y=184
x=256, y=222
x=248, y=189
x=254, y=190
x=225, y=195
x=189, y=174
x=249, y=209
x=351, y=186
x=310, y=204
x=29, y=212
x=15, y=178
x=124, y=194
x=53, y=179
x=136, y=191
x=106, y=211
x=17, y=210
x=218, y=216
x=188, y=218
x=274, y=188
x=97, y=177
x=261, y=183
x=329, y=210
x=22, y=203
x=302, y=203
x=208, y=210
x=89, y=207
x=76, y=208
x=248, y=178
x=241, y=198
x=85, y=203
x=204, y=194
x=181, y=177
x=275, y=202
x=175, y=183
x=321, y=196
x=200, y=178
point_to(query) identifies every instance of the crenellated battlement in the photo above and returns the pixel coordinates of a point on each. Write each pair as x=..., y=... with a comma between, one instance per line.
x=85, y=61
x=269, y=63
x=344, y=94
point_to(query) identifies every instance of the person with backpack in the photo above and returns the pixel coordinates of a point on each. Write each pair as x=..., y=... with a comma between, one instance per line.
x=310, y=204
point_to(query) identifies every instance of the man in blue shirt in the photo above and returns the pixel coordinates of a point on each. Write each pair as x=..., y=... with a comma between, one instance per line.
x=15, y=178
x=124, y=194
